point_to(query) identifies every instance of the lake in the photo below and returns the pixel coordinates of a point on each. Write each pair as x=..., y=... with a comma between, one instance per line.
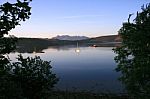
x=89, y=69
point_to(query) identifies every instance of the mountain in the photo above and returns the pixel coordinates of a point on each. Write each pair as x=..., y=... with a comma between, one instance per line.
x=70, y=38
x=31, y=45
x=109, y=38
x=103, y=41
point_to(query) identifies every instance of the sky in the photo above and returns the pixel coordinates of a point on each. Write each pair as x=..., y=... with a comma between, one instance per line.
x=76, y=17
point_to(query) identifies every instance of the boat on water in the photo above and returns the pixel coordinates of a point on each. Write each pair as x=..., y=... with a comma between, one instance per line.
x=77, y=50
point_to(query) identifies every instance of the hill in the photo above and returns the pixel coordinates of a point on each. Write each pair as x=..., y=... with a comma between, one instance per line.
x=109, y=38
x=38, y=44
x=70, y=38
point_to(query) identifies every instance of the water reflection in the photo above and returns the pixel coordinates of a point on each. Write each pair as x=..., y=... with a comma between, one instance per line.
x=39, y=49
x=92, y=69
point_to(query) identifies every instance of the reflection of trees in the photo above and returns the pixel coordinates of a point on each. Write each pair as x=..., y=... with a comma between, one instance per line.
x=134, y=55
x=40, y=49
x=31, y=45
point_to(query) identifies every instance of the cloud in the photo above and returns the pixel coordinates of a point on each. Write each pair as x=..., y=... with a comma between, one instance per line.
x=80, y=16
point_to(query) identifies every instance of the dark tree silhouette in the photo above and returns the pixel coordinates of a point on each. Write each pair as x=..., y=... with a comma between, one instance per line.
x=34, y=76
x=28, y=78
x=10, y=16
x=133, y=57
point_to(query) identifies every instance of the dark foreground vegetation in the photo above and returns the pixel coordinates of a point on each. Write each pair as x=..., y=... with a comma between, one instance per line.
x=133, y=57
x=32, y=78
x=27, y=78
x=86, y=95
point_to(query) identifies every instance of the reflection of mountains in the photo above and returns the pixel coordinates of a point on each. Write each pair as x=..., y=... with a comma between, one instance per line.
x=30, y=45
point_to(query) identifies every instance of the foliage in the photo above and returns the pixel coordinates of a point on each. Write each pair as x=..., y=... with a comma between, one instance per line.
x=29, y=78
x=12, y=14
x=34, y=75
x=86, y=95
x=134, y=55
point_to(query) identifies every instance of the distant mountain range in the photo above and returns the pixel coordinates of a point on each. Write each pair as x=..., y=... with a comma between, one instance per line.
x=70, y=38
x=38, y=44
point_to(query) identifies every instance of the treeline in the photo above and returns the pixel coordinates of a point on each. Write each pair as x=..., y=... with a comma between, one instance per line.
x=37, y=44
x=30, y=45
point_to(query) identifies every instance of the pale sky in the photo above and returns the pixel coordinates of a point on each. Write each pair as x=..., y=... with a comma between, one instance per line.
x=76, y=17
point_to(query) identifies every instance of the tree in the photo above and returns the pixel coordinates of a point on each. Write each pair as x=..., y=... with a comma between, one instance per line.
x=34, y=75
x=10, y=16
x=28, y=78
x=133, y=56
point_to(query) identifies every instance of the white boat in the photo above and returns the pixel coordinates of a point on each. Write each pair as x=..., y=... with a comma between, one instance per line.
x=77, y=49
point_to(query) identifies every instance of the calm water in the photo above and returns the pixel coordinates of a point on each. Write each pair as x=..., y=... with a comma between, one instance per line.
x=90, y=69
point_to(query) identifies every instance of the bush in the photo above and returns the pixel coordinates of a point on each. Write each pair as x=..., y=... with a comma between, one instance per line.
x=34, y=76
x=134, y=55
